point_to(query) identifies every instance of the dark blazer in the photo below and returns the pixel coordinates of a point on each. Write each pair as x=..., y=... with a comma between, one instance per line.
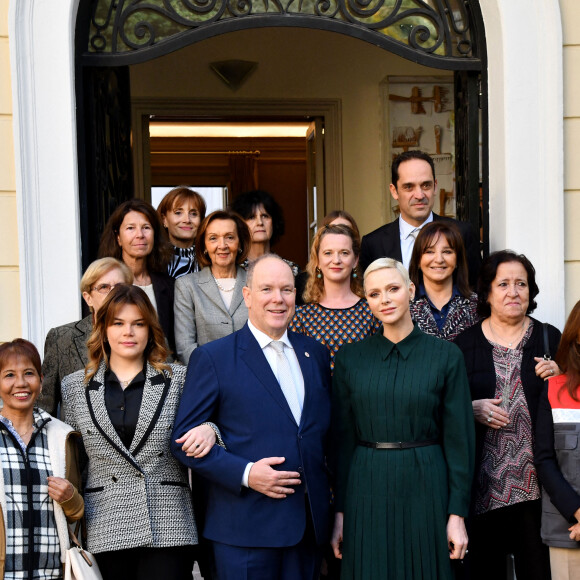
x=385, y=242
x=65, y=351
x=137, y=496
x=230, y=382
x=478, y=354
x=163, y=288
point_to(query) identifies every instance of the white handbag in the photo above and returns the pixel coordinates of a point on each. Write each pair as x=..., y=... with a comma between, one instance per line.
x=80, y=564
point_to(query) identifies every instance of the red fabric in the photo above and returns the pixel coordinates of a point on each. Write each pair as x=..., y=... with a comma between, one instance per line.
x=558, y=394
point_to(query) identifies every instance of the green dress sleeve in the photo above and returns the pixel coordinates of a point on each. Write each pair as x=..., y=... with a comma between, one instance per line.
x=344, y=436
x=458, y=434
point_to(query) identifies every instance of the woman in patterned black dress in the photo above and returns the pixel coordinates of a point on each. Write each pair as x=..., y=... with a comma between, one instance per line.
x=444, y=305
x=335, y=311
x=506, y=369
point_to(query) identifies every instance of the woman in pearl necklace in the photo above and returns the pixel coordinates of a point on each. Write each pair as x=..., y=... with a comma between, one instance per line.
x=209, y=303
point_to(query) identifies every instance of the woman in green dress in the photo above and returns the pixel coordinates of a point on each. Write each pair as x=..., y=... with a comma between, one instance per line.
x=403, y=427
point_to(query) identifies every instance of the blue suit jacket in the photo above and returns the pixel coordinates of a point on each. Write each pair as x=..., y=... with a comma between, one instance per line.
x=230, y=382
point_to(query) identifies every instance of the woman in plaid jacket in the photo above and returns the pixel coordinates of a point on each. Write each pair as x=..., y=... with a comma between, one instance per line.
x=38, y=472
x=138, y=509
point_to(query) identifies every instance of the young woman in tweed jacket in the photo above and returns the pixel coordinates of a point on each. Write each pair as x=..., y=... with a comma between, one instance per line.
x=38, y=472
x=138, y=509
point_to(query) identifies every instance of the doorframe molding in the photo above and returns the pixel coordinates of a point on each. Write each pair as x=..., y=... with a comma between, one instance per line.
x=329, y=109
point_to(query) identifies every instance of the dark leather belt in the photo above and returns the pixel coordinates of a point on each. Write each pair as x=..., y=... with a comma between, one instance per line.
x=398, y=444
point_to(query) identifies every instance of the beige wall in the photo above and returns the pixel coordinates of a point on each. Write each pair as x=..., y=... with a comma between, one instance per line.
x=10, y=322
x=570, y=16
x=299, y=63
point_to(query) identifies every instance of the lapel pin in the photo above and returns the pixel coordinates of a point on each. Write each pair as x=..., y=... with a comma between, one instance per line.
x=306, y=355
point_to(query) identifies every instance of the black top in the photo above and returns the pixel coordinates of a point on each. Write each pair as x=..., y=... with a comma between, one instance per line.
x=163, y=288
x=123, y=406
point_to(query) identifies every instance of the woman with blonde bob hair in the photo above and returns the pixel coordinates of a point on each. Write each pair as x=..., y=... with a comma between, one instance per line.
x=335, y=311
x=404, y=437
x=124, y=406
x=65, y=349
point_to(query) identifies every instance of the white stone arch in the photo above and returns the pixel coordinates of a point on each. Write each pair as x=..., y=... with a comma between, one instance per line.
x=524, y=42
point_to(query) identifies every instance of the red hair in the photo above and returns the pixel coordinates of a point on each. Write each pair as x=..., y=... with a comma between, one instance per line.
x=568, y=355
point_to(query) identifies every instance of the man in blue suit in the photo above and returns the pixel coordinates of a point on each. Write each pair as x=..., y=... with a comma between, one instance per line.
x=267, y=390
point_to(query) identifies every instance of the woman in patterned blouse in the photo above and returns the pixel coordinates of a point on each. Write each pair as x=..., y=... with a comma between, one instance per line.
x=444, y=305
x=506, y=368
x=181, y=211
x=335, y=310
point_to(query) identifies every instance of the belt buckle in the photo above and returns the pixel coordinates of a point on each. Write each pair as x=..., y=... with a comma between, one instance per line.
x=399, y=445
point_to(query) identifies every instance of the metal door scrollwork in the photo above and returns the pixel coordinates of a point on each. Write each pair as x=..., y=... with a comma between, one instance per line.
x=431, y=32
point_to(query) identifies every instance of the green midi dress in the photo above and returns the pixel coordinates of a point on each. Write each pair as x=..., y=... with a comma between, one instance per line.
x=396, y=502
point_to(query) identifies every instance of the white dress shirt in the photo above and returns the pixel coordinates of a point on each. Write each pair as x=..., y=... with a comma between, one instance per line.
x=406, y=231
x=264, y=341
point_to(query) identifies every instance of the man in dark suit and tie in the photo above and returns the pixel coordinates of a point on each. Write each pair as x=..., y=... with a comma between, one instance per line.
x=267, y=390
x=413, y=186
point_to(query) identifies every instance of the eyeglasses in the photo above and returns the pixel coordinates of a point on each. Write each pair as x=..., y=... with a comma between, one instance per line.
x=104, y=288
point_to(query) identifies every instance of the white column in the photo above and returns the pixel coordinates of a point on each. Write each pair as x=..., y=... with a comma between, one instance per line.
x=526, y=179
x=42, y=62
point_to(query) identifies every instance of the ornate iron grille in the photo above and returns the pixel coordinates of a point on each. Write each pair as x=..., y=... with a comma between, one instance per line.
x=427, y=31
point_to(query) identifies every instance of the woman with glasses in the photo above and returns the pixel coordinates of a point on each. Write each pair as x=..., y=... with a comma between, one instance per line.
x=65, y=349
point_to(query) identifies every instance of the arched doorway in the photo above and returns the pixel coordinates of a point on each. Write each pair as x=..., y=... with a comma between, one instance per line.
x=42, y=48
x=114, y=38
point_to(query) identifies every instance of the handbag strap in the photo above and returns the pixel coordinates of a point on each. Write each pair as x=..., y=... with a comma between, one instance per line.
x=547, y=355
x=74, y=540
x=73, y=536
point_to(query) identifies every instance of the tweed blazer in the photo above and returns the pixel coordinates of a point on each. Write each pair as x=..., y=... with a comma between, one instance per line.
x=65, y=351
x=136, y=497
x=200, y=313
x=386, y=242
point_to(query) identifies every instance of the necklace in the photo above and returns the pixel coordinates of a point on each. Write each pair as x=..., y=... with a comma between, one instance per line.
x=125, y=384
x=519, y=337
x=22, y=435
x=29, y=430
x=222, y=288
